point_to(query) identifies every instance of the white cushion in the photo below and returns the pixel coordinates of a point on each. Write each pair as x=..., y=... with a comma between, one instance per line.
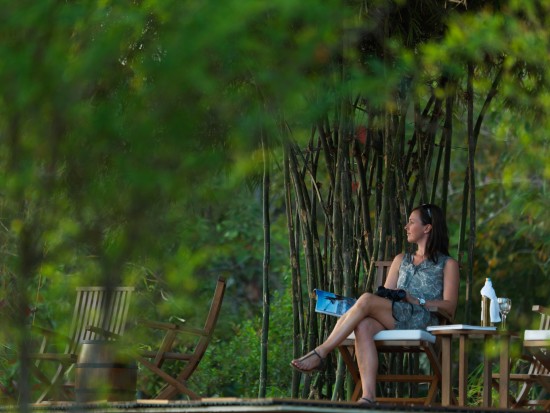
x=401, y=335
x=537, y=335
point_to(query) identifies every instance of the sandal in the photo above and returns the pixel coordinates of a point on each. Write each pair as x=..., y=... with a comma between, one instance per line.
x=364, y=401
x=319, y=367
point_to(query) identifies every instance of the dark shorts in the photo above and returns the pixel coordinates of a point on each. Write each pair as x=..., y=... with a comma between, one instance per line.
x=411, y=317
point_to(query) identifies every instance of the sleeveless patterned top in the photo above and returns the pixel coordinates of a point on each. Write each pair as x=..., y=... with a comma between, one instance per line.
x=423, y=280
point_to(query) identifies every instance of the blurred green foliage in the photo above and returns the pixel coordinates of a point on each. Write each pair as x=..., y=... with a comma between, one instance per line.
x=231, y=365
x=129, y=136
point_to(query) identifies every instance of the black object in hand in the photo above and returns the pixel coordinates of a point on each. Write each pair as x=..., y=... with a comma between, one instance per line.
x=394, y=295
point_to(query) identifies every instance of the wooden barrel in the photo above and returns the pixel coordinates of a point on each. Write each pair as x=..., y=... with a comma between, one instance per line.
x=102, y=374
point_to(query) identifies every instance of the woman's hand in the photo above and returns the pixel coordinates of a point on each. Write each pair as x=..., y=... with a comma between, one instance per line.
x=411, y=299
x=414, y=300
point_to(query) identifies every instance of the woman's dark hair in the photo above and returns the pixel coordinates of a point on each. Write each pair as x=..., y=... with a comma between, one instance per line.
x=438, y=238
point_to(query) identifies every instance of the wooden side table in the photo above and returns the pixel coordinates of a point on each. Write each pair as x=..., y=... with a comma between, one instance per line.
x=464, y=333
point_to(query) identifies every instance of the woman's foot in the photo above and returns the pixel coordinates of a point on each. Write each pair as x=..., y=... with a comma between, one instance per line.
x=365, y=401
x=309, y=363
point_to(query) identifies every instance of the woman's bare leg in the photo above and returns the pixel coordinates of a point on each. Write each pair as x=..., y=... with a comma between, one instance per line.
x=367, y=355
x=368, y=305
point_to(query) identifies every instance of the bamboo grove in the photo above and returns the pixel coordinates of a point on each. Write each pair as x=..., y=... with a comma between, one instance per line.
x=349, y=193
x=351, y=185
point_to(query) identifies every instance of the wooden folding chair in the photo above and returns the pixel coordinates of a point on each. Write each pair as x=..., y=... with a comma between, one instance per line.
x=535, y=383
x=99, y=313
x=404, y=342
x=154, y=360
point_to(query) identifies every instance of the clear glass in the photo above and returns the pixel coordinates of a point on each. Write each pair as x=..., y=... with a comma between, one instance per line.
x=504, y=304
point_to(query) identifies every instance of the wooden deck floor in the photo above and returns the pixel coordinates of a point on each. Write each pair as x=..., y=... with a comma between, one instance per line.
x=232, y=405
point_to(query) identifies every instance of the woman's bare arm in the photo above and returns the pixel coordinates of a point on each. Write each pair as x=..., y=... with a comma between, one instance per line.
x=393, y=272
x=451, y=282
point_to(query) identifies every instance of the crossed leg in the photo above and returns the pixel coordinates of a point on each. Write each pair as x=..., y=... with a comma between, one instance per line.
x=368, y=306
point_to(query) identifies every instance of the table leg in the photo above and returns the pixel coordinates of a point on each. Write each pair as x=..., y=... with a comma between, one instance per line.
x=462, y=370
x=504, y=384
x=446, y=366
x=487, y=372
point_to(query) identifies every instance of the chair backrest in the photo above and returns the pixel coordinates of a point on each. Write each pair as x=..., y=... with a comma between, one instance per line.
x=536, y=367
x=215, y=306
x=178, y=384
x=382, y=268
x=102, y=308
x=544, y=317
x=210, y=324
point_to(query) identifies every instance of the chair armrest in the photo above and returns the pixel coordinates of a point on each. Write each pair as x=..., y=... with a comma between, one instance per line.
x=172, y=327
x=62, y=358
x=540, y=309
x=50, y=333
x=443, y=315
x=102, y=332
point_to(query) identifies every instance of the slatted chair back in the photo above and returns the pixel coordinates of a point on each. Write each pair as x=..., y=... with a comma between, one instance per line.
x=537, y=367
x=405, y=342
x=100, y=313
x=382, y=268
x=535, y=384
x=176, y=384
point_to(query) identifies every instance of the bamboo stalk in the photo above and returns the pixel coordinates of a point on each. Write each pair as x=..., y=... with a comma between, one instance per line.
x=266, y=185
x=295, y=273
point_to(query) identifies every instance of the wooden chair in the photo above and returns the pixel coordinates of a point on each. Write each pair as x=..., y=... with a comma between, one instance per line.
x=99, y=313
x=400, y=342
x=154, y=360
x=535, y=383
